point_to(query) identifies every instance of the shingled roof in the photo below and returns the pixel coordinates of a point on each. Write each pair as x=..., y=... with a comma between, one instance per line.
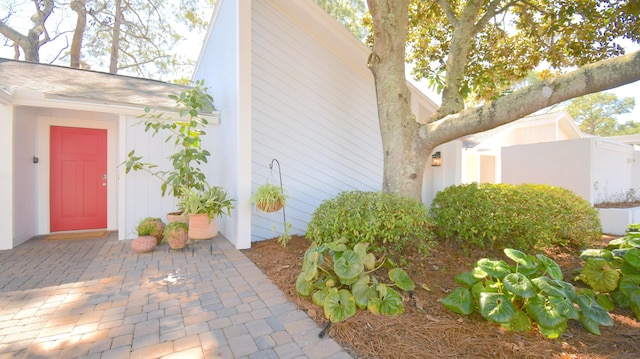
x=58, y=82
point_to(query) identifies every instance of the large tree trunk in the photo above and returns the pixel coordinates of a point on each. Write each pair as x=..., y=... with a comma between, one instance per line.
x=403, y=161
x=81, y=23
x=115, y=41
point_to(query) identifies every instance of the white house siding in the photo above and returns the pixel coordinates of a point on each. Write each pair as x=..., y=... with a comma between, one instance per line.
x=6, y=175
x=225, y=65
x=25, y=172
x=313, y=113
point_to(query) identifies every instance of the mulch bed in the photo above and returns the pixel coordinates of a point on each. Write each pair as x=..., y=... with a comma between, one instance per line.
x=428, y=330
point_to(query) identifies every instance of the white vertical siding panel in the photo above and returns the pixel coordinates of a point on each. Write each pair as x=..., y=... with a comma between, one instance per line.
x=312, y=112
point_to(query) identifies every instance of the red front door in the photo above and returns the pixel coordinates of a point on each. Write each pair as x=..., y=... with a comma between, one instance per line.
x=78, y=178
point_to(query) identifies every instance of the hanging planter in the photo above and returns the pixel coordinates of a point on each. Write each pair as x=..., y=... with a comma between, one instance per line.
x=271, y=198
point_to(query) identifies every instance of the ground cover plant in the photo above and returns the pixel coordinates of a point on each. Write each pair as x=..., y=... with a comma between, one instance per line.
x=613, y=272
x=531, y=290
x=342, y=279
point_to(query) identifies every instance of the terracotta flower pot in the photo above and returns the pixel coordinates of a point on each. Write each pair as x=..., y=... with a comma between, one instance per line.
x=177, y=238
x=144, y=244
x=201, y=227
x=177, y=217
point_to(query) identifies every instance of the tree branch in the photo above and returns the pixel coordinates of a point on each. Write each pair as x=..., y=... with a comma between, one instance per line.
x=448, y=11
x=452, y=99
x=596, y=77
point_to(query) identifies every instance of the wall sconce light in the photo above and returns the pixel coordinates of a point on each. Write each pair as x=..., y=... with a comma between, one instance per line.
x=436, y=159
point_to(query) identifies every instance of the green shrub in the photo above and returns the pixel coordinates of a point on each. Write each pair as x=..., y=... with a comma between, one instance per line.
x=518, y=216
x=390, y=223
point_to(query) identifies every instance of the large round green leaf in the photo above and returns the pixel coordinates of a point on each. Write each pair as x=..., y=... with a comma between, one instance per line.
x=363, y=291
x=543, y=312
x=390, y=303
x=302, y=286
x=496, y=307
x=549, y=287
x=348, y=267
x=596, y=254
x=521, y=323
x=556, y=332
x=629, y=285
x=401, y=279
x=633, y=257
x=599, y=275
x=565, y=307
x=519, y=257
x=520, y=285
x=605, y=302
x=551, y=266
x=589, y=324
x=368, y=259
x=495, y=268
x=592, y=310
x=466, y=278
x=459, y=301
x=310, y=265
x=339, y=305
x=319, y=296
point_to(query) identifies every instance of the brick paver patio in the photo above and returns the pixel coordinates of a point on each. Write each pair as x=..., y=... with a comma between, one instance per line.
x=95, y=298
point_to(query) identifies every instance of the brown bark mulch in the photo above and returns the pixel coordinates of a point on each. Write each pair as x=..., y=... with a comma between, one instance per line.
x=428, y=330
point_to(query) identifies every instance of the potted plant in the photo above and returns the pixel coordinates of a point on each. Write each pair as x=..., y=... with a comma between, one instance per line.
x=186, y=134
x=153, y=226
x=145, y=241
x=269, y=197
x=202, y=207
x=176, y=235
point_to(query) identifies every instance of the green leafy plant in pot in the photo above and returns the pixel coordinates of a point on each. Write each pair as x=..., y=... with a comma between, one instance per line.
x=151, y=226
x=271, y=198
x=202, y=207
x=176, y=235
x=186, y=134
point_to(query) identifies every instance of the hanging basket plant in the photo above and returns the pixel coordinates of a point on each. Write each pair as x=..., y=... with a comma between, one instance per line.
x=269, y=198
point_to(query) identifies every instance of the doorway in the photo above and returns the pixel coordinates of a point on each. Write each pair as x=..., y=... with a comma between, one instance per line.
x=78, y=178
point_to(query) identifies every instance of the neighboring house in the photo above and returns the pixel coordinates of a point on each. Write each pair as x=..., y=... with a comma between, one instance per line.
x=84, y=120
x=479, y=157
x=289, y=82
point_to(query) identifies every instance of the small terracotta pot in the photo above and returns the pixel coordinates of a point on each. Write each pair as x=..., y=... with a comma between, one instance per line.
x=177, y=238
x=143, y=244
x=177, y=217
x=201, y=227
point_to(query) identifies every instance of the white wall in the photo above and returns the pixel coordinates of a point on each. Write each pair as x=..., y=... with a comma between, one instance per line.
x=612, y=171
x=6, y=176
x=593, y=168
x=313, y=110
x=450, y=173
x=225, y=65
x=25, y=172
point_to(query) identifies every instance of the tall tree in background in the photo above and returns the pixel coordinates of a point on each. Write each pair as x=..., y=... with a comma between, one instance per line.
x=595, y=114
x=79, y=7
x=350, y=13
x=477, y=49
x=138, y=35
x=36, y=36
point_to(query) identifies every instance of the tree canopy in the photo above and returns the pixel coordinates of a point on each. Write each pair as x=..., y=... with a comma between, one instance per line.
x=478, y=49
x=596, y=113
x=136, y=37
